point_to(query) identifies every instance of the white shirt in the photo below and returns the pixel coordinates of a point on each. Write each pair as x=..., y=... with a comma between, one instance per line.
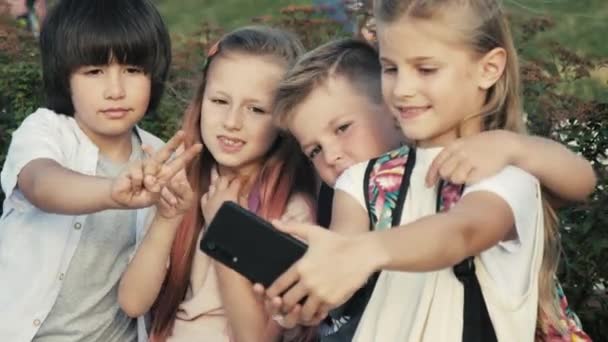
x=417, y=306
x=36, y=247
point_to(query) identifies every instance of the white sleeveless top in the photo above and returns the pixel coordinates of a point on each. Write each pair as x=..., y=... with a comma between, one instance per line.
x=414, y=306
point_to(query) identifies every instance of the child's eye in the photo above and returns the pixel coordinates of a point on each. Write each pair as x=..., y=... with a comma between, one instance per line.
x=427, y=70
x=92, y=71
x=257, y=110
x=343, y=128
x=135, y=70
x=219, y=101
x=389, y=69
x=314, y=152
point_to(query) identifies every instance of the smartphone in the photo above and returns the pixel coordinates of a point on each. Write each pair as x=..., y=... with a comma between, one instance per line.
x=250, y=245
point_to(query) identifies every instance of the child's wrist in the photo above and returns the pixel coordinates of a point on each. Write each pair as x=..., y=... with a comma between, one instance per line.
x=170, y=220
x=163, y=228
x=110, y=203
x=369, y=246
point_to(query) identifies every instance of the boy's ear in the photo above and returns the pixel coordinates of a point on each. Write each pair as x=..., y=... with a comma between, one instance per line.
x=491, y=67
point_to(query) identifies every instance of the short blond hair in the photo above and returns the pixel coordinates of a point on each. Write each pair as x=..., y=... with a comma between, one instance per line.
x=353, y=59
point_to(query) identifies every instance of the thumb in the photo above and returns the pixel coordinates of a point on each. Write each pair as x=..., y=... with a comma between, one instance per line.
x=148, y=150
x=297, y=229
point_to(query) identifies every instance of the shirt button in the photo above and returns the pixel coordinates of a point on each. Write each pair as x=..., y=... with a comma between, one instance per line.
x=77, y=225
x=36, y=322
x=61, y=275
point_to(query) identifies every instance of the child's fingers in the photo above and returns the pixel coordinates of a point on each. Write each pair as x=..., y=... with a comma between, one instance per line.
x=178, y=163
x=163, y=154
x=204, y=201
x=320, y=315
x=168, y=196
x=136, y=176
x=214, y=176
x=432, y=176
x=461, y=174
x=185, y=192
x=148, y=150
x=294, y=295
x=151, y=184
x=151, y=166
x=311, y=306
x=283, y=283
x=259, y=290
x=234, y=187
x=290, y=320
x=448, y=167
x=182, y=192
x=164, y=203
x=222, y=184
x=474, y=176
x=299, y=230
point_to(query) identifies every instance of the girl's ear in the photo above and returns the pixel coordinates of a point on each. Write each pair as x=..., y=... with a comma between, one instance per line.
x=491, y=67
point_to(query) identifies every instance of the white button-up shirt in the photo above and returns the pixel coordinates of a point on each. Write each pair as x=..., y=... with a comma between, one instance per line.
x=36, y=247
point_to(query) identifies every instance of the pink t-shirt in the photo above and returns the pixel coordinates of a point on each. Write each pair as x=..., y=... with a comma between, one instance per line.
x=201, y=316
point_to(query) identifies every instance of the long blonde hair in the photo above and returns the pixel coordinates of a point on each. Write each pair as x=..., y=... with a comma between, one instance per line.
x=484, y=29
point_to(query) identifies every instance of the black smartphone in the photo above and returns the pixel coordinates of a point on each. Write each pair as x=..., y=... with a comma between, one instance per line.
x=250, y=245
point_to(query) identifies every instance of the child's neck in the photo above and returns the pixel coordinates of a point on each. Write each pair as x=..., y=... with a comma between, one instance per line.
x=117, y=149
x=468, y=128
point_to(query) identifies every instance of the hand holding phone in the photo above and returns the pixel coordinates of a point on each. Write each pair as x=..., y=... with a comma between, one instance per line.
x=250, y=245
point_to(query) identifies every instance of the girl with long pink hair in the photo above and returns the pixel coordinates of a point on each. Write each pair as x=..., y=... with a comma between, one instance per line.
x=245, y=159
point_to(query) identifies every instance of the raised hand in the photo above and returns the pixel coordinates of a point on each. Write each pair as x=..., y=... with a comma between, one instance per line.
x=222, y=189
x=326, y=285
x=176, y=197
x=470, y=159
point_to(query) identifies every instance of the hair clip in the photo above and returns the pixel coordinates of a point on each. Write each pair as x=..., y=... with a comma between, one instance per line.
x=214, y=49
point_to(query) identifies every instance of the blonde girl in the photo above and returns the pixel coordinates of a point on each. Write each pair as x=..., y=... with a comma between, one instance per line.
x=456, y=77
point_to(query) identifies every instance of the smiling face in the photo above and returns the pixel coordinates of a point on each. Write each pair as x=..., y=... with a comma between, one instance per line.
x=236, y=124
x=109, y=99
x=338, y=126
x=431, y=84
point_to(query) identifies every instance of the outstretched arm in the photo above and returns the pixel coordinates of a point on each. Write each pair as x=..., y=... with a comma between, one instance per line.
x=143, y=279
x=54, y=188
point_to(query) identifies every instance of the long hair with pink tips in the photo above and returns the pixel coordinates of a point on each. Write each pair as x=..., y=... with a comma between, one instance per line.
x=285, y=170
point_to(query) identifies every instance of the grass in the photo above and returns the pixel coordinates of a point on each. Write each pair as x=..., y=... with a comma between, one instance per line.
x=186, y=16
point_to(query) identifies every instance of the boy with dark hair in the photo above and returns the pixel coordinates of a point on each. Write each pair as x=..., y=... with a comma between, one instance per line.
x=73, y=168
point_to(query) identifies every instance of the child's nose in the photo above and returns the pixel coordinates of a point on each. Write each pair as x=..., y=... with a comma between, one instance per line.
x=115, y=88
x=404, y=86
x=233, y=119
x=332, y=155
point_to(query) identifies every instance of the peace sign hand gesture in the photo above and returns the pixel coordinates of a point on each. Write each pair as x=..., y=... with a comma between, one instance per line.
x=141, y=183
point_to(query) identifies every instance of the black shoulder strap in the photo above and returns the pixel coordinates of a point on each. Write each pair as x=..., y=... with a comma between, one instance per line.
x=368, y=172
x=477, y=325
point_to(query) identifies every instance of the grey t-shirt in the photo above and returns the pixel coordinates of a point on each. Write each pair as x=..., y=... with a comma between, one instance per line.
x=87, y=306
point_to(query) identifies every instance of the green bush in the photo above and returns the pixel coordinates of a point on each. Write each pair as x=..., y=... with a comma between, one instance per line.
x=557, y=111
x=20, y=81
